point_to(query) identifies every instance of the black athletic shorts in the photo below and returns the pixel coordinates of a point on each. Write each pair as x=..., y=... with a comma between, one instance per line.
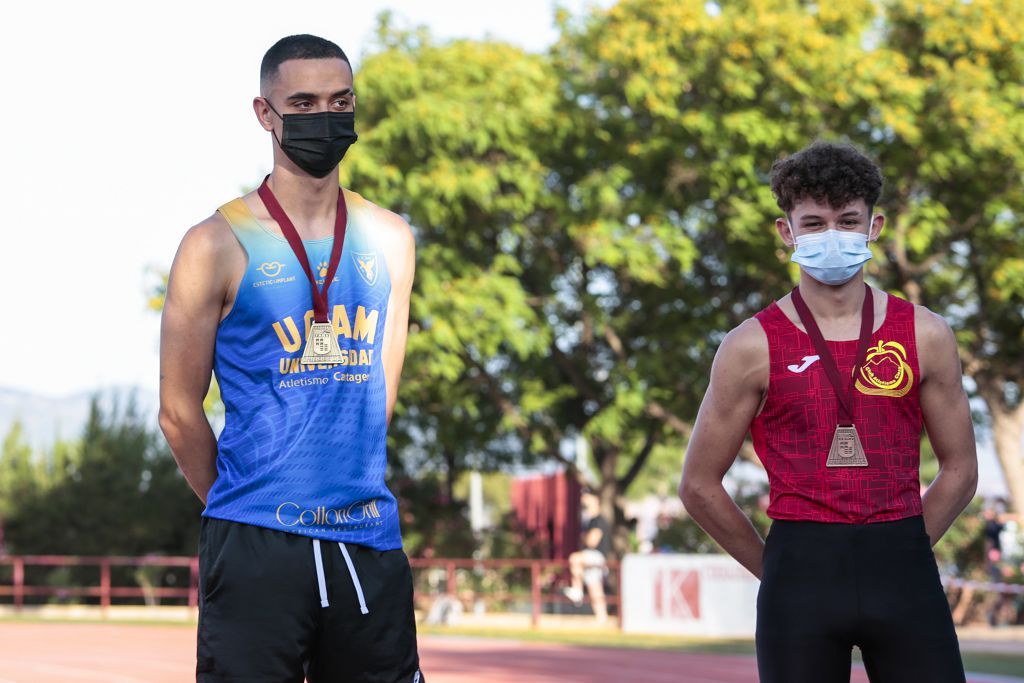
x=829, y=587
x=268, y=615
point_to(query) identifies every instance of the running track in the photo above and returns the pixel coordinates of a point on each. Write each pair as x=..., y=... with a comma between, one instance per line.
x=33, y=652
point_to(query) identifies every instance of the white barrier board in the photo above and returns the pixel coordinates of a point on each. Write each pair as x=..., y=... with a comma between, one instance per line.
x=689, y=595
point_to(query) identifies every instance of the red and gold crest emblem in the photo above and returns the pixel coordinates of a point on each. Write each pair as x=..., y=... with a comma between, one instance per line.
x=886, y=371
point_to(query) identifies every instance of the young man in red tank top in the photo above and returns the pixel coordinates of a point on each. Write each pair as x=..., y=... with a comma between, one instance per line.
x=835, y=382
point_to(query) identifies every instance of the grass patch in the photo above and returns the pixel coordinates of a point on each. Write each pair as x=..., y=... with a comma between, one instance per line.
x=994, y=663
x=975, y=662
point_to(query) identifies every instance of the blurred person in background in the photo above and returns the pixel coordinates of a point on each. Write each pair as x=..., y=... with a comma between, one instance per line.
x=589, y=566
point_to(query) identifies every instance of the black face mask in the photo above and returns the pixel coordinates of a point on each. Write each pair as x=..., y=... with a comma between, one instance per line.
x=317, y=142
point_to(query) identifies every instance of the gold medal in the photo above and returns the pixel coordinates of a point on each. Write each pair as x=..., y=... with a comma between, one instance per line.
x=321, y=340
x=321, y=345
x=846, y=449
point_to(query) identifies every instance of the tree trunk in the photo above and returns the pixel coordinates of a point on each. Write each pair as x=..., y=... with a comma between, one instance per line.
x=450, y=475
x=1008, y=435
x=607, y=458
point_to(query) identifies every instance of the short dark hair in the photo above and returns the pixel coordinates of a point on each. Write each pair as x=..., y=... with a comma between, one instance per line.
x=302, y=46
x=828, y=172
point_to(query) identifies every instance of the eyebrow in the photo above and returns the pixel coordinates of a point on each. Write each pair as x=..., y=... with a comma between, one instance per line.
x=845, y=214
x=313, y=96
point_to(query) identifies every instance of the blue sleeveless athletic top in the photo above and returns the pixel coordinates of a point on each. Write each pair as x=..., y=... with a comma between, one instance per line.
x=303, y=447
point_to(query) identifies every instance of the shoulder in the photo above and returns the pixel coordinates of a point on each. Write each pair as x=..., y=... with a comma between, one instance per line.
x=742, y=362
x=747, y=342
x=208, y=241
x=207, y=260
x=389, y=230
x=937, y=350
x=932, y=330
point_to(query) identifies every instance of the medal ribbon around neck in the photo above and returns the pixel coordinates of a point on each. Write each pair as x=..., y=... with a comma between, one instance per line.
x=867, y=326
x=320, y=307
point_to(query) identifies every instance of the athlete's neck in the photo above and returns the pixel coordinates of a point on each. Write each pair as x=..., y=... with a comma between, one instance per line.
x=833, y=303
x=311, y=203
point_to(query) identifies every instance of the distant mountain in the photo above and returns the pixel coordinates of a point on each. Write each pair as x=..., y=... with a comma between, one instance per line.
x=46, y=419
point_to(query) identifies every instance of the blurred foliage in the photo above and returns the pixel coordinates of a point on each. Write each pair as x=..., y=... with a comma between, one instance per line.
x=684, y=535
x=117, y=490
x=433, y=524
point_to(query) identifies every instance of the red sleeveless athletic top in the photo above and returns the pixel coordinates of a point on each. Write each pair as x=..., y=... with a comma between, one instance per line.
x=793, y=433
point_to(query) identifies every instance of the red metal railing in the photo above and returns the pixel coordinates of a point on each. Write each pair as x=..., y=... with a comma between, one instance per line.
x=105, y=591
x=545, y=578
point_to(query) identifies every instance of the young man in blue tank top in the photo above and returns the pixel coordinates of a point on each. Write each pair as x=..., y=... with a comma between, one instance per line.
x=297, y=297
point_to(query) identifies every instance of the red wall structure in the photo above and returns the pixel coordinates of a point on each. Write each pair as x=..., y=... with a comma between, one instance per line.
x=548, y=508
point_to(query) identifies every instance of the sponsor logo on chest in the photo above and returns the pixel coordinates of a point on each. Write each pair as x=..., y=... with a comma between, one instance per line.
x=886, y=370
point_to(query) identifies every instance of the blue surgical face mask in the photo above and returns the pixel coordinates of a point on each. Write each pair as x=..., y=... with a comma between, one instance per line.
x=832, y=257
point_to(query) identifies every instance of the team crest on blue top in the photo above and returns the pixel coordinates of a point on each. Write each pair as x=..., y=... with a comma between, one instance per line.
x=366, y=264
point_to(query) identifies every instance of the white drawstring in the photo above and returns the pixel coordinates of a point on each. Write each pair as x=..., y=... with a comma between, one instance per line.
x=355, y=579
x=320, y=580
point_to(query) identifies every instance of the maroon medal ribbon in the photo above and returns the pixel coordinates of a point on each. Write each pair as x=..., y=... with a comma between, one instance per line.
x=320, y=309
x=867, y=326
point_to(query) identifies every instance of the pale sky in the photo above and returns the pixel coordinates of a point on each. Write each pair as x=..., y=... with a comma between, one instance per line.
x=126, y=123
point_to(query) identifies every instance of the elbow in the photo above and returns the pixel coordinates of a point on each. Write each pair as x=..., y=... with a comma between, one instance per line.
x=167, y=420
x=971, y=486
x=692, y=493
x=172, y=420
x=968, y=477
x=961, y=478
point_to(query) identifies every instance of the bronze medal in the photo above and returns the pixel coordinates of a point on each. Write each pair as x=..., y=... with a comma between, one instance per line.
x=846, y=449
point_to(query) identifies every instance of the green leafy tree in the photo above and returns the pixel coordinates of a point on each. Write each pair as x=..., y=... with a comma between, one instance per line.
x=20, y=477
x=524, y=287
x=703, y=97
x=947, y=123
x=120, y=492
x=449, y=137
x=677, y=113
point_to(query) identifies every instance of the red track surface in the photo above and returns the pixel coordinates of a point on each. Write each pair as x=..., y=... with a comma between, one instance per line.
x=110, y=653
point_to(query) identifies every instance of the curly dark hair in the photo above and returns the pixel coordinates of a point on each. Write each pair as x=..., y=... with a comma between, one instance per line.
x=827, y=172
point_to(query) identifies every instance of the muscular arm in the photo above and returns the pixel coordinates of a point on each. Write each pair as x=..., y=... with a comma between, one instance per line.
x=400, y=250
x=739, y=377
x=947, y=418
x=192, y=311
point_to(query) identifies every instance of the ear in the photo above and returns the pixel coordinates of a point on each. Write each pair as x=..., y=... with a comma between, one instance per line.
x=263, y=113
x=877, y=223
x=782, y=227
